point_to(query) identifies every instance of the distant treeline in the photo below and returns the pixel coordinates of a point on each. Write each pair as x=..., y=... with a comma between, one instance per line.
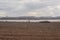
x=28, y=18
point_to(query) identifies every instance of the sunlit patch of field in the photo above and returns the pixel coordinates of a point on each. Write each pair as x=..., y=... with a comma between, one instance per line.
x=29, y=31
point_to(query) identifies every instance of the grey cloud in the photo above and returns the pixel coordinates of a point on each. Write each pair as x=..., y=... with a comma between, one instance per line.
x=12, y=7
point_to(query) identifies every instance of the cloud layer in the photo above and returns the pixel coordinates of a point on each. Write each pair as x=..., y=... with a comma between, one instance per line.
x=15, y=8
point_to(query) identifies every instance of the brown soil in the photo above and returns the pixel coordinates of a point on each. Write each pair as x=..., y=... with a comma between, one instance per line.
x=29, y=31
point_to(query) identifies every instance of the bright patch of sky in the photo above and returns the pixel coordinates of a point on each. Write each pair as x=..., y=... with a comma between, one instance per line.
x=16, y=8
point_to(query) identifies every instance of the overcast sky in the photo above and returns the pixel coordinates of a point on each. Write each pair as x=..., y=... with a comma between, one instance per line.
x=14, y=8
